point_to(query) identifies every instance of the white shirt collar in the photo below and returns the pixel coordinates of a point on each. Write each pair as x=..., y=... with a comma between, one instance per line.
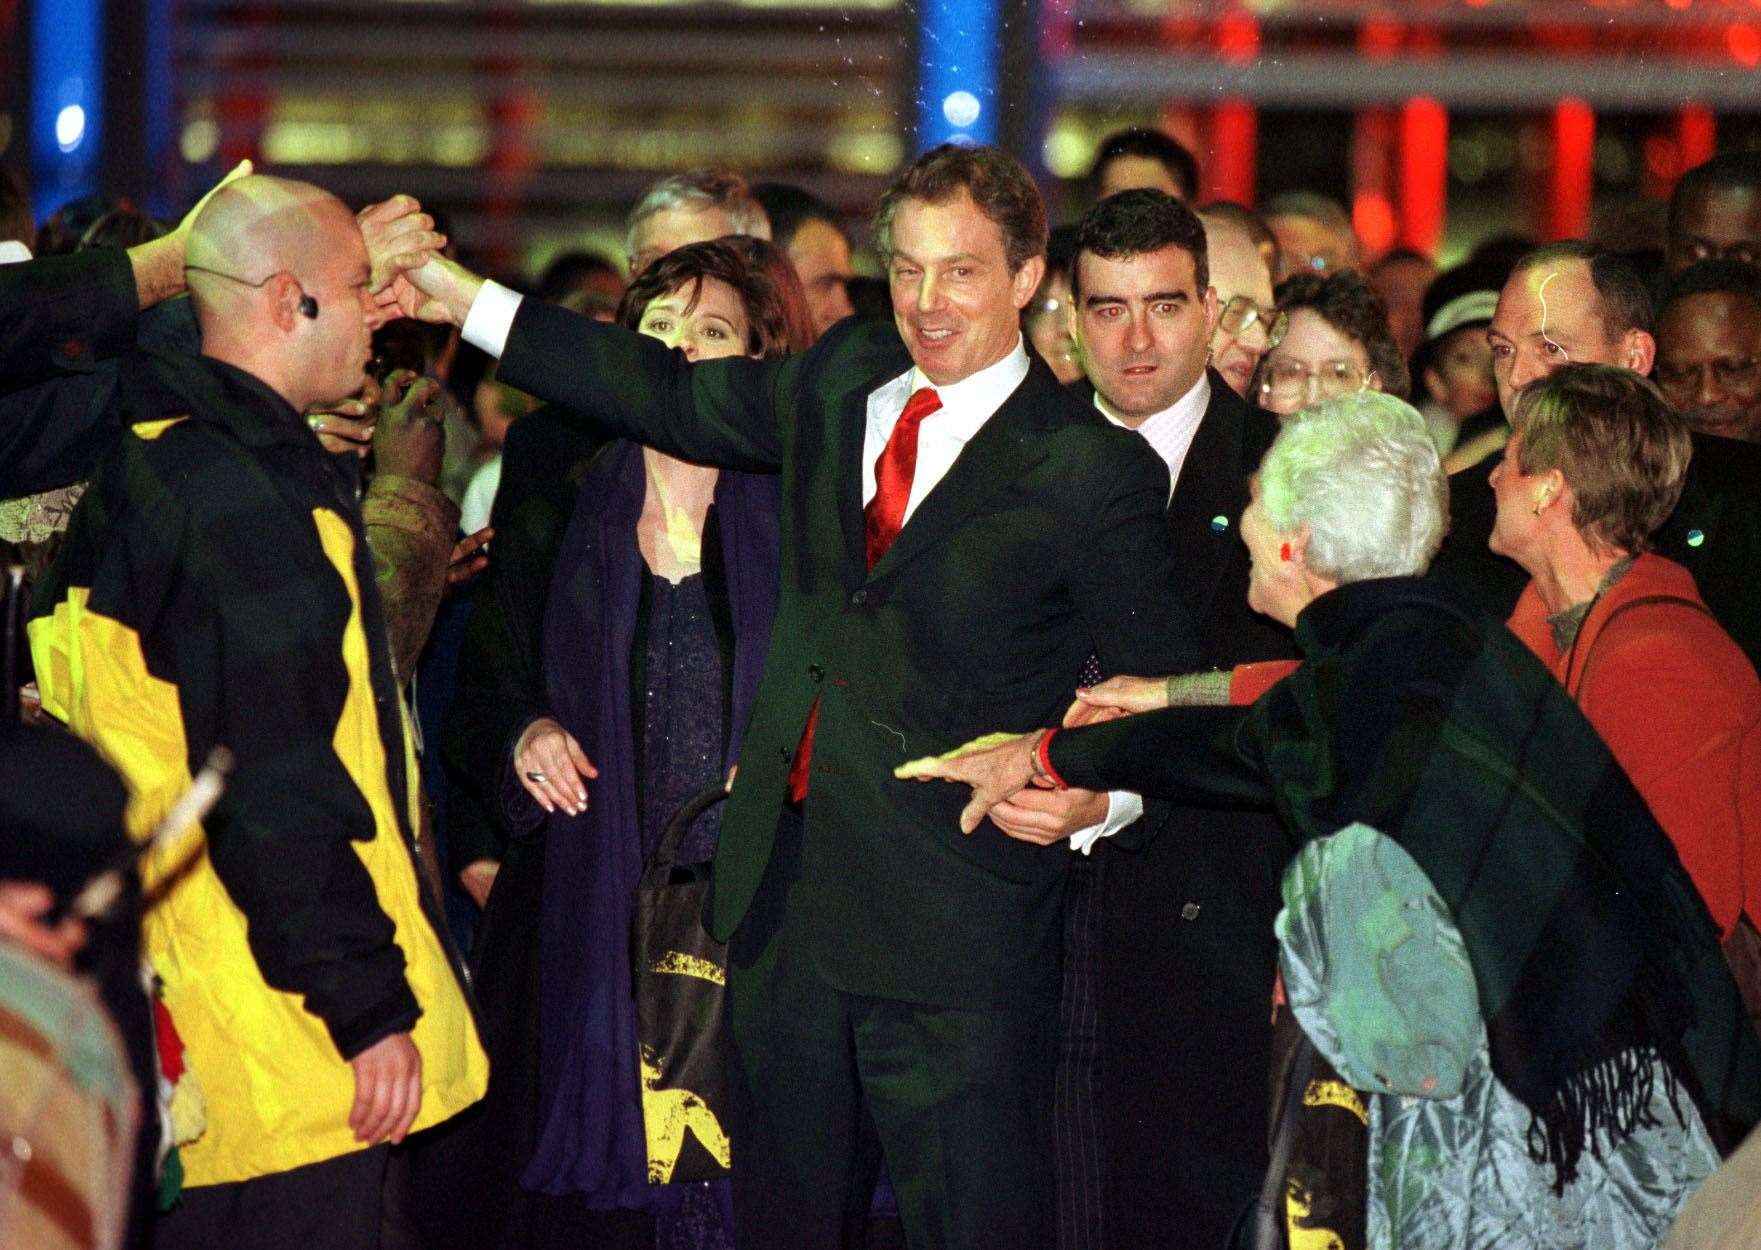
x=1170, y=432
x=978, y=395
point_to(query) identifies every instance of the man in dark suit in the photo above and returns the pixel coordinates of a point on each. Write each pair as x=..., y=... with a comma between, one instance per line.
x=1173, y=932
x=1568, y=302
x=957, y=535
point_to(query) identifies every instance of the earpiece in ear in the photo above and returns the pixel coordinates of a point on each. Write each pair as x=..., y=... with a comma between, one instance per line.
x=309, y=307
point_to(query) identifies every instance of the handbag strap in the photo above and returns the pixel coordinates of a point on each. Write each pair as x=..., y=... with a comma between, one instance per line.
x=1643, y=601
x=660, y=865
x=1268, y=1221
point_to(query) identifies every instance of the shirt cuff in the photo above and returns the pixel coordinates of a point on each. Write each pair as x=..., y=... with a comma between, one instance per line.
x=491, y=318
x=1123, y=807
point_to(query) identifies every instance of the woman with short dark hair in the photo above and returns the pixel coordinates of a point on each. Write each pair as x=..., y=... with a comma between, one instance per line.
x=1336, y=341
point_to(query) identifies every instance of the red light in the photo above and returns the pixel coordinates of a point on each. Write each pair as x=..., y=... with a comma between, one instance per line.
x=1745, y=44
x=1424, y=168
x=1574, y=151
x=1372, y=216
x=1238, y=38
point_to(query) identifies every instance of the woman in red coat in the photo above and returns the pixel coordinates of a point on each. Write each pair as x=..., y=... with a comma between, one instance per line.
x=1594, y=466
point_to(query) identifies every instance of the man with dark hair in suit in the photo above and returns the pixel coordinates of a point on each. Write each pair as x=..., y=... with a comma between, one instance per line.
x=1175, y=932
x=959, y=533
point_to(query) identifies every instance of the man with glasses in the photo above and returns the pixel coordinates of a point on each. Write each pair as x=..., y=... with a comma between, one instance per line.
x=1568, y=302
x=1709, y=348
x=1179, y=930
x=1248, y=325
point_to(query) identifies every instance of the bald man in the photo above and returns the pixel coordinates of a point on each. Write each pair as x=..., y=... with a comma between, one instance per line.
x=215, y=589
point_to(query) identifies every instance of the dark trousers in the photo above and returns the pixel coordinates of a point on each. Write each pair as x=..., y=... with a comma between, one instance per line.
x=333, y=1205
x=827, y=1082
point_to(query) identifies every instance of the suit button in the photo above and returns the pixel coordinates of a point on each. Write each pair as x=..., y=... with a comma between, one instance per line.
x=859, y=598
x=815, y=673
x=1189, y=912
x=784, y=753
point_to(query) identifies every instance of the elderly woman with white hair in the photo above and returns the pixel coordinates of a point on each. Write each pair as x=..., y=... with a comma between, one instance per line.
x=1606, y=1015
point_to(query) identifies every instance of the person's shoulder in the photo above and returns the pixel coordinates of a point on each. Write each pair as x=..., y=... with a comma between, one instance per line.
x=1656, y=620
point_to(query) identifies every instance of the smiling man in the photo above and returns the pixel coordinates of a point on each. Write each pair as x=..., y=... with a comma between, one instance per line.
x=960, y=533
x=1709, y=348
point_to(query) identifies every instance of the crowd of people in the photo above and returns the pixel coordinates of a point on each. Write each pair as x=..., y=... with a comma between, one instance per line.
x=1159, y=730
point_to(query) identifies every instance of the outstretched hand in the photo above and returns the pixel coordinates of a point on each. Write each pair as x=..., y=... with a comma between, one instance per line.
x=996, y=766
x=399, y=236
x=1116, y=697
x=439, y=291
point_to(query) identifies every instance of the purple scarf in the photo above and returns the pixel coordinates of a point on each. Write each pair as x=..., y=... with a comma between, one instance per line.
x=590, y=1135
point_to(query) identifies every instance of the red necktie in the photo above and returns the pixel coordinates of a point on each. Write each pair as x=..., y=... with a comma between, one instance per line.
x=882, y=520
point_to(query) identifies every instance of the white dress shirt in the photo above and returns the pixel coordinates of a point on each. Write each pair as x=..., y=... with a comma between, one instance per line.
x=966, y=406
x=1170, y=432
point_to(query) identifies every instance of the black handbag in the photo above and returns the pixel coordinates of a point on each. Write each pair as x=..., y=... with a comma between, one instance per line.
x=680, y=979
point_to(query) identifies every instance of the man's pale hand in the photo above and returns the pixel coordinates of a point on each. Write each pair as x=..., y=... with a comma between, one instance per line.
x=1116, y=697
x=158, y=263
x=440, y=291
x=399, y=236
x=1045, y=816
x=552, y=765
x=996, y=766
x=388, y=1090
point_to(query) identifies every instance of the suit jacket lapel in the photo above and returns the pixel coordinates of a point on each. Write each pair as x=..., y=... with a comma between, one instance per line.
x=850, y=413
x=1003, y=449
x=1211, y=485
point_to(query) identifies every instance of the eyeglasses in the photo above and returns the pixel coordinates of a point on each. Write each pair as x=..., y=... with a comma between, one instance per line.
x=1241, y=314
x=1731, y=372
x=1287, y=380
x=1748, y=251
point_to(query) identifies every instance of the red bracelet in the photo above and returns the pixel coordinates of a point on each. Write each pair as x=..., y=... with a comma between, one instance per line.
x=1042, y=755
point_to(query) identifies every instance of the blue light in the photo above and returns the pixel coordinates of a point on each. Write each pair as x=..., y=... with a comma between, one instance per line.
x=67, y=98
x=957, y=72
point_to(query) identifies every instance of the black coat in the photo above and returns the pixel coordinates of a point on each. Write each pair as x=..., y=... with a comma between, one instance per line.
x=1187, y=953
x=1044, y=541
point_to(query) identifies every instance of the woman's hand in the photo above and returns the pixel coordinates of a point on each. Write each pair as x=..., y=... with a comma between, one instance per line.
x=551, y=765
x=1116, y=697
x=995, y=766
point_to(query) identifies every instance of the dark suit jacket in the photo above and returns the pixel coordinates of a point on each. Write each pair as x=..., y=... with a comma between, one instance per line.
x=1044, y=541
x=1187, y=952
x=1715, y=531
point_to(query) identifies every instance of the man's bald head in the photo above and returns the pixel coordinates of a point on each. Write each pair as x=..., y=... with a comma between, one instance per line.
x=258, y=226
x=278, y=271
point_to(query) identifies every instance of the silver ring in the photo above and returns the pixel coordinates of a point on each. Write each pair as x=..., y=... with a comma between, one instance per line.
x=536, y=777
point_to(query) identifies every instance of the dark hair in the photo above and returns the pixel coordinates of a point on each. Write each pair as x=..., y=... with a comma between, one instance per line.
x=1618, y=443
x=1398, y=255
x=1351, y=306
x=1153, y=145
x=62, y=229
x=776, y=311
x=1313, y=205
x=1135, y=223
x=998, y=183
x=570, y=271
x=789, y=208
x=120, y=227
x=1712, y=277
x=1728, y=171
x=17, y=221
x=1626, y=304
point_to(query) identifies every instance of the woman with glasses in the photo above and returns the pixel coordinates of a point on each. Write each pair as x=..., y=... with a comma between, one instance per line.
x=1337, y=341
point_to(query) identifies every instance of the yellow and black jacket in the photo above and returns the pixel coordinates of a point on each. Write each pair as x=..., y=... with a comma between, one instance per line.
x=215, y=588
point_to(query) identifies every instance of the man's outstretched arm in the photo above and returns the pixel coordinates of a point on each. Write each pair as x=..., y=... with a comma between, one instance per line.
x=612, y=381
